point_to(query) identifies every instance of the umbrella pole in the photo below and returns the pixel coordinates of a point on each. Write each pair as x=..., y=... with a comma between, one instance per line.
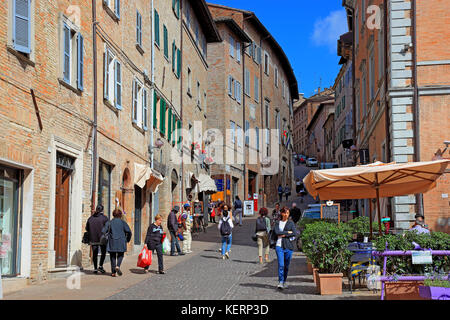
x=379, y=211
x=370, y=219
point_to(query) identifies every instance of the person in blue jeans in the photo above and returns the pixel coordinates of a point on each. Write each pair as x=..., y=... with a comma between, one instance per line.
x=226, y=228
x=286, y=232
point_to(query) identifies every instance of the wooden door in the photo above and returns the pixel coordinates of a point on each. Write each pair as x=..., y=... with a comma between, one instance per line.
x=62, y=216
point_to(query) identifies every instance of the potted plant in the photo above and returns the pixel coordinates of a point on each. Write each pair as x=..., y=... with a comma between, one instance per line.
x=326, y=244
x=403, y=266
x=436, y=288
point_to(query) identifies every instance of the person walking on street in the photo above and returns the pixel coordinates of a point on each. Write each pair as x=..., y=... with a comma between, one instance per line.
x=172, y=225
x=295, y=213
x=287, y=192
x=262, y=232
x=226, y=228
x=280, y=192
x=153, y=242
x=119, y=236
x=186, y=221
x=238, y=210
x=94, y=227
x=286, y=232
x=276, y=214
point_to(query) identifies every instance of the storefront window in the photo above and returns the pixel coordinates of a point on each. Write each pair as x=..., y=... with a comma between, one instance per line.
x=104, y=188
x=9, y=221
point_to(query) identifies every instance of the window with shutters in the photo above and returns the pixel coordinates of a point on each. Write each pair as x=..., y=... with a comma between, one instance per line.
x=256, y=89
x=139, y=30
x=231, y=46
x=239, y=135
x=247, y=132
x=247, y=82
x=162, y=116
x=140, y=105
x=238, y=51
x=266, y=63
x=276, y=77
x=166, y=42
x=113, y=8
x=189, y=86
x=72, y=55
x=230, y=86
x=112, y=80
x=257, y=138
x=22, y=26
x=237, y=91
x=232, y=132
x=176, y=8
x=156, y=28
x=198, y=95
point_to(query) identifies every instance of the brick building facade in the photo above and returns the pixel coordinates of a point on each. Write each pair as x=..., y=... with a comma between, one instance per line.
x=402, y=90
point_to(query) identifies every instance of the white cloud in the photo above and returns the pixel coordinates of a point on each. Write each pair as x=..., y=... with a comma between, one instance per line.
x=327, y=30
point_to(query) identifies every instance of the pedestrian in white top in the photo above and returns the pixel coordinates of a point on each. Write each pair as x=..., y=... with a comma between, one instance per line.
x=286, y=232
x=226, y=228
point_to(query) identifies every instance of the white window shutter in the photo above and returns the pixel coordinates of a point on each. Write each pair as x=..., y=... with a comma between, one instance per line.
x=118, y=85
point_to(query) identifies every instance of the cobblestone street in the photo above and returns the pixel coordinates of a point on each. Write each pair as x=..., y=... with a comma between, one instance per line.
x=205, y=276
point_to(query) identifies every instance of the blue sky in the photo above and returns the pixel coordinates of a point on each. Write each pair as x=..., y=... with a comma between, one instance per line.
x=307, y=30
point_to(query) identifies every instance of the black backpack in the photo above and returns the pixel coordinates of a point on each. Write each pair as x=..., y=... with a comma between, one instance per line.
x=261, y=224
x=225, y=228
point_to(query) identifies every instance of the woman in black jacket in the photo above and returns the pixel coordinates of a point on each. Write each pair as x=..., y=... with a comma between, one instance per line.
x=153, y=241
x=286, y=232
x=119, y=235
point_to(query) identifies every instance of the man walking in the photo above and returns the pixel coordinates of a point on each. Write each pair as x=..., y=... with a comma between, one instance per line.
x=94, y=227
x=172, y=225
x=280, y=192
x=238, y=210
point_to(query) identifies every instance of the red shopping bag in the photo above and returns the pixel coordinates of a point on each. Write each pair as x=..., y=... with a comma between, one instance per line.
x=145, y=258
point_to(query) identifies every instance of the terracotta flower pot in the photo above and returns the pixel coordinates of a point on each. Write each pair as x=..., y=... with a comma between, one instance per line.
x=403, y=290
x=315, y=272
x=310, y=267
x=330, y=283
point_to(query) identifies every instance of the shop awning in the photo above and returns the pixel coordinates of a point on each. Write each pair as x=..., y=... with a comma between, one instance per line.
x=145, y=176
x=206, y=184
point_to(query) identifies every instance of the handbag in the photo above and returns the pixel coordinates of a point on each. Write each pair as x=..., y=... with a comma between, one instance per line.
x=85, y=238
x=254, y=237
x=105, y=236
x=272, y=239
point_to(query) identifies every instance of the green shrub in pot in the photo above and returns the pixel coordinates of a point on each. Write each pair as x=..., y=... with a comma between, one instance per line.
x=325, y=245
x=405, y=242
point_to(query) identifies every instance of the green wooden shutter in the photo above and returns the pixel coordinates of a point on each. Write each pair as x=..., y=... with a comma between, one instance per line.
x=178, y=62
x=155, y=119
x=169, y=125
x=156, y=27
x=162, y=116
x=174, y=50
x=166, y=43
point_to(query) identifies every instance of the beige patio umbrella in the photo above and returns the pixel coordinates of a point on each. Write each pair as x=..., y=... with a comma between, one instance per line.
x=374, y=181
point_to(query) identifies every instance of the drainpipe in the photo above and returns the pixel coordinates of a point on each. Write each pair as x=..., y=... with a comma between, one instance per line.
x=416, y=108
x=243, y=115
x=153, y=86
x=94, y=140
x=181, y=99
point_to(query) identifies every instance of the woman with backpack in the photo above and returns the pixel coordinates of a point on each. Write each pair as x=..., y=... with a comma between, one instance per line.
x=119, y=233
x=225, y=228
x=262, y=232
x=286, y=234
